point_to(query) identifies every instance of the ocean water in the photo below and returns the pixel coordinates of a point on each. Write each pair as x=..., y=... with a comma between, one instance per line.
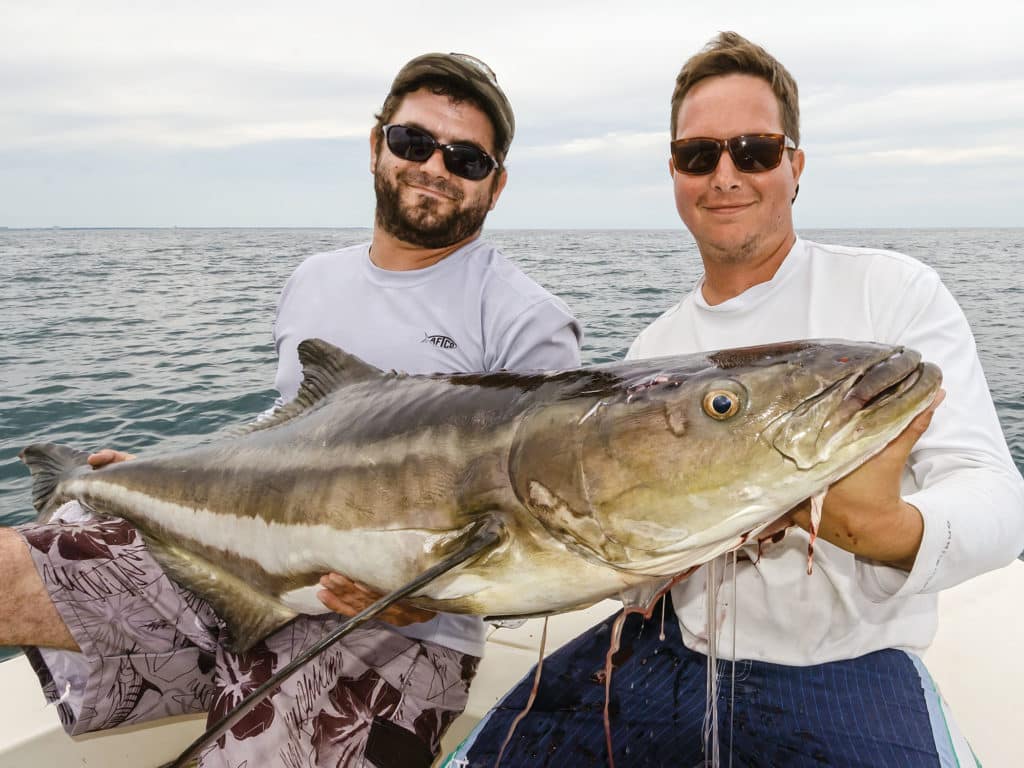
x=129, y=338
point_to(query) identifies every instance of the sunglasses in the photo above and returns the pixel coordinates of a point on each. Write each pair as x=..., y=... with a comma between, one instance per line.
x=754, y=153
x=415, y=145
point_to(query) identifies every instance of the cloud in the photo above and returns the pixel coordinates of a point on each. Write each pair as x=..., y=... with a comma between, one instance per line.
x=175, y=103
x=883, y=84
x=937, y=155
x=614, y=142
x=913, y=111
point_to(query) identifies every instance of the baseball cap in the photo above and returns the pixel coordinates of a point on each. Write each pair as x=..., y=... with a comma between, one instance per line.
x=473, y=75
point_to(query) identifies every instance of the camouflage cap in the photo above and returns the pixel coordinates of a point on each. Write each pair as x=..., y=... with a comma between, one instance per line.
x=469, y=73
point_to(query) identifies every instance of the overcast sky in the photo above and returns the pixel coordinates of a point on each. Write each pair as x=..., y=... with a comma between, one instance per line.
x=225, y=113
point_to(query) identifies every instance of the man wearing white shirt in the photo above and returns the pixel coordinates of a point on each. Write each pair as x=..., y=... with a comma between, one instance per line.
x=828, y=668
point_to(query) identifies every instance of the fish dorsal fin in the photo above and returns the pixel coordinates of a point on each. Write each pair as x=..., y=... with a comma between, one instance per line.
x=482, y=537
x=325, y=369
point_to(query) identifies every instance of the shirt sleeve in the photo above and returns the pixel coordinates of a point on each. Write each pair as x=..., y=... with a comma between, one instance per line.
x=960, y=474
x=636, y=349
x=544, y=337
x=288, y=375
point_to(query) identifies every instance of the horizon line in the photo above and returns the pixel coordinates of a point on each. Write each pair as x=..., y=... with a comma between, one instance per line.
x=171, y=227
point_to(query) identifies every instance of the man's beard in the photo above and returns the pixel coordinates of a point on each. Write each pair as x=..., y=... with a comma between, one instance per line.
x=421, y=224
x=732, y=255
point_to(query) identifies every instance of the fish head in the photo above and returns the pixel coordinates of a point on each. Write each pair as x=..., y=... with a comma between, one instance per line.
x=681, y=458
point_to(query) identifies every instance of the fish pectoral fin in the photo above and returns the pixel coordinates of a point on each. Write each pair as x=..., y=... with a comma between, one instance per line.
x=249, y=614
x=325, y=368
x=645, y=594
x=515, y=620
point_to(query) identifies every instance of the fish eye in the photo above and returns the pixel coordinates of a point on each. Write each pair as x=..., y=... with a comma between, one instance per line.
x=720, y=404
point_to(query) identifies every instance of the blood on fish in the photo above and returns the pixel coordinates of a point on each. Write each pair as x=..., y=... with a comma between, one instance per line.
x=530, y=700
x=817, y=500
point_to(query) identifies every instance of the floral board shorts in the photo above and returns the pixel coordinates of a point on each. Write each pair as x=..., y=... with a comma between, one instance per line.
x=151, y=649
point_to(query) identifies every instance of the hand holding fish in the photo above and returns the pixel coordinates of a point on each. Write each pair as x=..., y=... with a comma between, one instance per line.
x=344, y=596
x=106, y=456
x=864, y=513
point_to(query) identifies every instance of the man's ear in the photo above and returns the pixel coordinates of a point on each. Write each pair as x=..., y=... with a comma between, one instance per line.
x=375, y=140
x=797, y=164
x=499, y=185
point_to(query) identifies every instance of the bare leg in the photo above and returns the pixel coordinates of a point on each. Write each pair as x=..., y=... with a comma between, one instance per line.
x=27, y=615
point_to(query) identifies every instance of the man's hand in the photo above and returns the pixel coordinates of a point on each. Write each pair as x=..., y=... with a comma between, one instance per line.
x=864, y=512
x=348, y=598
x=108, y=456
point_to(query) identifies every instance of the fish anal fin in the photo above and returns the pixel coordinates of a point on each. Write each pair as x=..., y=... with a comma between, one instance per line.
x=480, y=539
x=249, y=614
x=325, y=369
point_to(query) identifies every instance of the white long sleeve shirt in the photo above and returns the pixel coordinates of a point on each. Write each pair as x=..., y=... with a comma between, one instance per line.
x=960, y=475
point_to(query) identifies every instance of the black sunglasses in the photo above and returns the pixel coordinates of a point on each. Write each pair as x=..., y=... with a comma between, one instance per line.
x=753, y=153
x=417, y=145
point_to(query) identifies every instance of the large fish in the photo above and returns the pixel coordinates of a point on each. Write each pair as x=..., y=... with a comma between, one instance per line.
x=564, y=488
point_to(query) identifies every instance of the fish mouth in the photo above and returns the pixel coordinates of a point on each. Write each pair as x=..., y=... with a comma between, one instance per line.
x=880, y=400
x=880, y=384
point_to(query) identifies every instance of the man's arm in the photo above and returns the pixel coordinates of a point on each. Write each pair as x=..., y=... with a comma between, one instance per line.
x=960, y=479
x=29, y=616
x=544, y=338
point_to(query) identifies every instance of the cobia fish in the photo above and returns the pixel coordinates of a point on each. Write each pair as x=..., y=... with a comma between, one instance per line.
x=498, y=494
x=574, y=486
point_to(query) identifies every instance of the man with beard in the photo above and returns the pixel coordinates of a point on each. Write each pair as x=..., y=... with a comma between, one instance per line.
x=425, y=295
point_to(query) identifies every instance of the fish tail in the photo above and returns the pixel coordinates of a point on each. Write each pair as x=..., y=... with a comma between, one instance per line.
x=49, y=464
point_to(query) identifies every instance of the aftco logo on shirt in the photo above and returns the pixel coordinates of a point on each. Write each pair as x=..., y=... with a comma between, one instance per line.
x=440, y=340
